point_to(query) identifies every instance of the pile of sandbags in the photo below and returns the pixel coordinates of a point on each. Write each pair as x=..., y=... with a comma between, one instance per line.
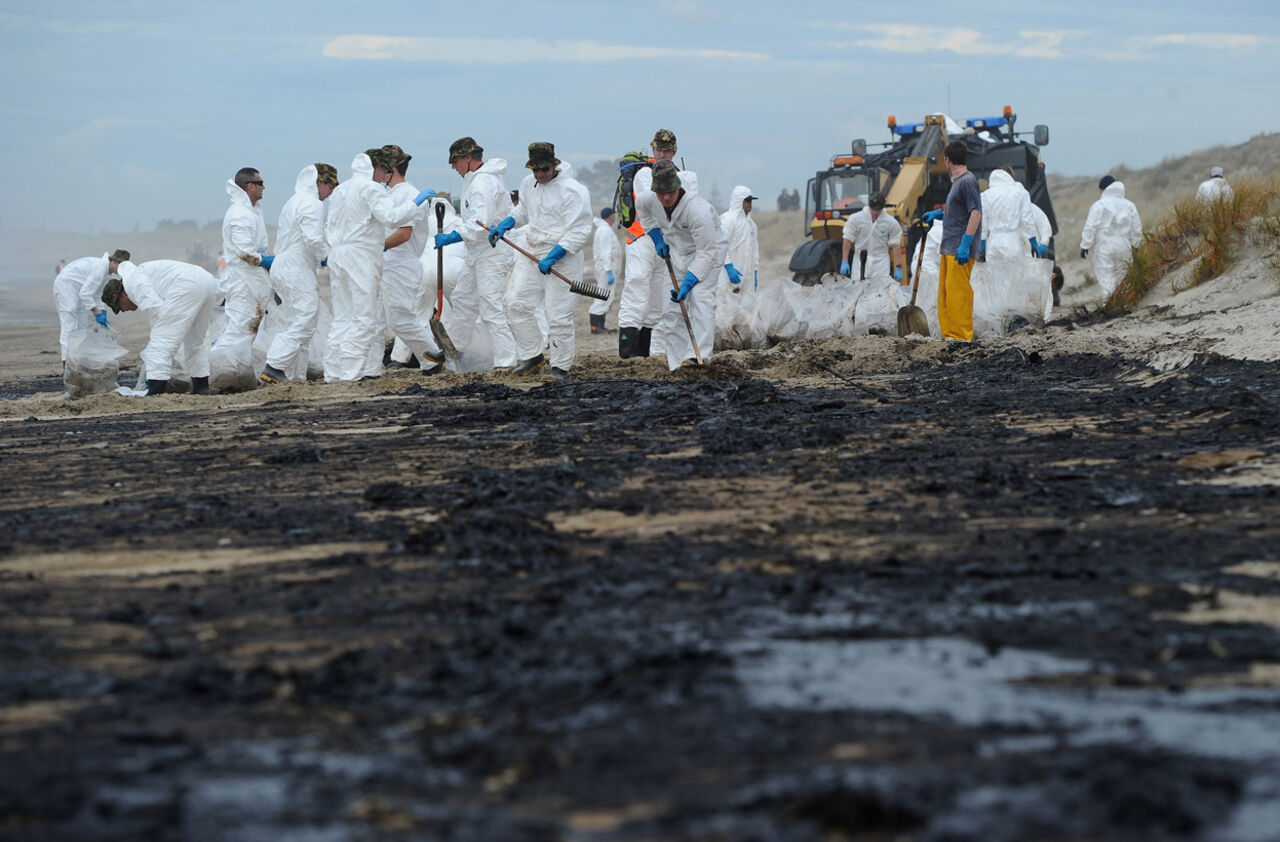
x=93, y=362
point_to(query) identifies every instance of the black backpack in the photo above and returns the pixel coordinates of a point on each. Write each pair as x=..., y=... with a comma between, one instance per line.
x=624, y=200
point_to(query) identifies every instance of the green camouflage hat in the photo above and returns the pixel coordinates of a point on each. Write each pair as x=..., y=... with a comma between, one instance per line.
x=379, y=159
x=666, y=178
x=876, y=201
x=664, y=139
x=542, y=154
x=327, y=173
x=463, y=147
x=395, y=156
x=119, y=256
x=111, y=293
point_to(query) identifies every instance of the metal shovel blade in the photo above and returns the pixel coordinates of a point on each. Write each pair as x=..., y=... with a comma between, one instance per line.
x=911, y=319
x=443, y=340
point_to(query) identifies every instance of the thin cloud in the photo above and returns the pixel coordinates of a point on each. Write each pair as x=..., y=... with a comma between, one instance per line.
x=1233, y=41
x=92, y=132
x=507, y=50
x=911, y=38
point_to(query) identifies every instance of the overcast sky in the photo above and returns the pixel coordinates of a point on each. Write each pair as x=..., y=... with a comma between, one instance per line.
x=122, y=114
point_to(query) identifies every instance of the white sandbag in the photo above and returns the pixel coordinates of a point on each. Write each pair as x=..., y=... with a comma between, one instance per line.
x=1010, y=294
x=231, y=366
x=877, y=309
x=93, y=361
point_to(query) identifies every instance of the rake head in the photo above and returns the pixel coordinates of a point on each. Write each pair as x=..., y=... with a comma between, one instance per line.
x=589, y=290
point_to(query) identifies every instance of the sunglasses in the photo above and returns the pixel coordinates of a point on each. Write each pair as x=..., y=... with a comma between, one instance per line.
x=547, y=168
x=259, y=183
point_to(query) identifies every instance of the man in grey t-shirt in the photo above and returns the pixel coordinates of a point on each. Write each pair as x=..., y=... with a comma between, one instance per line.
x=961, y=223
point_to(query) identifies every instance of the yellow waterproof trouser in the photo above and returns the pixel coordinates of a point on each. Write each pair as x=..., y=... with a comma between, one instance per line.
x=955, y=299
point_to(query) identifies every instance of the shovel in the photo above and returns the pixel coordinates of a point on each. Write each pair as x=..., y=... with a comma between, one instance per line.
x=683, y=310
x=580, y=287
x=911, y=319
x=437, y=326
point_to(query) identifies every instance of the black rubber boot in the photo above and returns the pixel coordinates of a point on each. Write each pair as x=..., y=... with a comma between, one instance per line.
x=199, y=385
x=642, y=346
x=628, y=337
x=597, y=323
x=157, y=387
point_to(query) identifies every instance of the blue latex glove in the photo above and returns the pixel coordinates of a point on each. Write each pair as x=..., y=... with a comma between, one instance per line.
x=982, y=248
x=930, y=216
x=686, y=286
x=735, y=277
x=447, y=239
x=755, y=283
x=962, y=253
x=1038, y=248
x=845, y=268
x=496, y=232
x=660, y=244
x=101, y=318
x=324, y=263
x=267, y=260
x=897, y=274
x=611, y=278
x=423, y=196
x=545, y=264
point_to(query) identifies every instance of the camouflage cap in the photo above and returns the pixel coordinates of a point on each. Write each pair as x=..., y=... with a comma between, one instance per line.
x=379, y=159
x=119, y=256
x=876, y=201
x=395, y=156
x=664, y=139
x=666, y=178
x=542, y=154
x=463, y=147
x=112, y=291
x=327, y=173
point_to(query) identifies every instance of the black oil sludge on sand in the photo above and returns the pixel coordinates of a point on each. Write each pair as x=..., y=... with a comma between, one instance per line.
x=675, y=609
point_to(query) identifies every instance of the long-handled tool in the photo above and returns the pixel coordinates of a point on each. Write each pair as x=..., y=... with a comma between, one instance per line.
x=437, y=326
x=580, y=287
x=911, y=319
x=683, y=310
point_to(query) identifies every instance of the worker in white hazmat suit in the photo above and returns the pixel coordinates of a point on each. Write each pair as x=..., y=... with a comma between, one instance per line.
x=1214, y=188
x=359, y=212
x=244, y=283
x=686, y=229
x=556, y=209
x=880, y=236
x=477, y=299
x=1007, y=220
x=300, y=248
x=77, y=293
x=402, y=286
x=743, y=259
x=455, y=267
x=606, y=259
x=1111, y=232
x=646, y=284
x=178, y=298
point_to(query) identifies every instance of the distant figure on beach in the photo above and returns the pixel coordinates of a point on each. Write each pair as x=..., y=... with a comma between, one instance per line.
x=1214, y=187
x=1112, y=231
x=62, y=264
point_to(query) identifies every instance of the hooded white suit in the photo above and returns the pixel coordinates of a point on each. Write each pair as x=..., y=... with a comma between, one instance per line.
x=477, y=299
x=1007, y=218
x=244, y=283
x=76, y=290
x=359, y=212
x=300, y=247
x=697, y=244
x=743, y=238
x=402, y=287
x=555, y=213
x=606, y=257
x=1112, y=231
x=647, y=281
x=178, y=298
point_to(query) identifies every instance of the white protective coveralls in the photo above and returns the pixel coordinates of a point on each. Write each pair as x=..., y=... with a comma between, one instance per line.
x=178, y=299
x=1007, y=219
x=1111, y=232
x=300, y=247
x=555, y=213
x=1212, y=188
x=606, y=257
x=877, y=237
x=77, y=290
x=699, y=246
x=359, y=212
x=245, y=285
x=402, y=282
x=648, y=283
x=477, y=298
x=455, y=266
x=744, y=241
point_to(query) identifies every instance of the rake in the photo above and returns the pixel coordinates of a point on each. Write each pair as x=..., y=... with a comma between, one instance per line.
x=580, y=287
